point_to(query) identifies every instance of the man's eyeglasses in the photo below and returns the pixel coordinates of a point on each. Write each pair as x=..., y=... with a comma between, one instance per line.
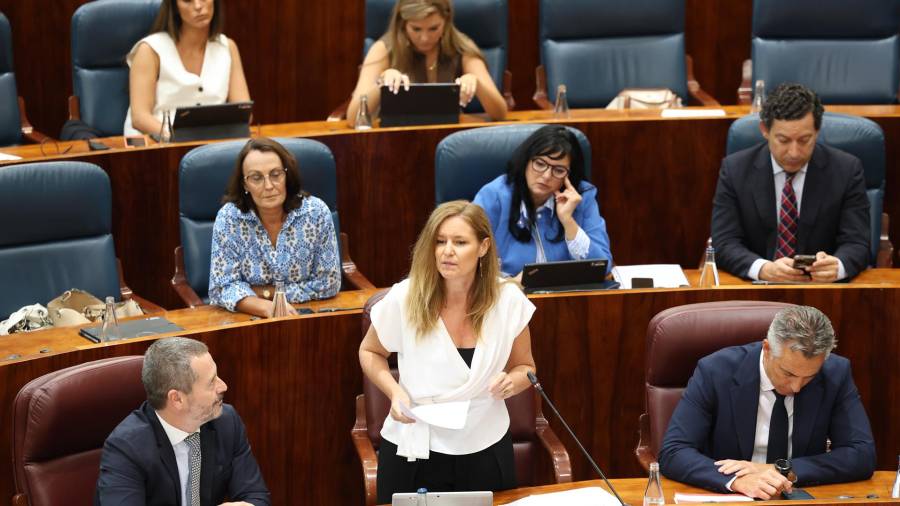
x=558, y=171
x=276, y=176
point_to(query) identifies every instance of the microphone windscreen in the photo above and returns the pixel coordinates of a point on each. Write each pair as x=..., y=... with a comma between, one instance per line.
x=532, y=378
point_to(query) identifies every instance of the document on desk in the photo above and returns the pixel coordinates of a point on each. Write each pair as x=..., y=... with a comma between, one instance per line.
x=447, y=415
x=681, y=498
x=692, y=113
x=588, y=496
x=663, y=275
x=8, y=157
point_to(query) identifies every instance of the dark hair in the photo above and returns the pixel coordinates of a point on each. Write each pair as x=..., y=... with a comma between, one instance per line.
x=552, y=141
x=791, y=101
x=237, y=194
x=169, y=20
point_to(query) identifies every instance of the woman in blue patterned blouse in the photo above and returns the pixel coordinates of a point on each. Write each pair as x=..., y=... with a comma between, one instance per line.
x=268, y=231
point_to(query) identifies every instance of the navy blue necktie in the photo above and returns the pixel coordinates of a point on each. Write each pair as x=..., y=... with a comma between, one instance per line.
x=778, y=431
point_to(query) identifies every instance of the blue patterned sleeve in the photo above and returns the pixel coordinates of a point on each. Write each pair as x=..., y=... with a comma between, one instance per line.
x=319, y=239
x=226, y=287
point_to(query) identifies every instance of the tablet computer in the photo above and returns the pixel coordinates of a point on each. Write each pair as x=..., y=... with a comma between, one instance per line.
x=207, y=122
x=423, y=104
x=445, y=499
x=566, y=276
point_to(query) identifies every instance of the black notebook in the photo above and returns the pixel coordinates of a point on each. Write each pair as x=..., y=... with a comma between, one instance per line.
x=423, y=104
x=206, y=122
x=566, y=276
x=136, y=328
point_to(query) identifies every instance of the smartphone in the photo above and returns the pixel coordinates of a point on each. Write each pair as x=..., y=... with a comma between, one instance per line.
x=798, y=494
x=135, y=141
x=801, y=261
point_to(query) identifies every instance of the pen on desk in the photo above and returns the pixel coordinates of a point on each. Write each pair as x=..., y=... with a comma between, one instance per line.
x=333, y=309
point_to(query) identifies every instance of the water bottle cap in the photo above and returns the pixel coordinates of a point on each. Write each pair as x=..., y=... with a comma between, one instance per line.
x=422, y=490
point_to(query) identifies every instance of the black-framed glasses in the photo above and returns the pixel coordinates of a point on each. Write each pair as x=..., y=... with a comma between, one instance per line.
x=275, y=176
x=557, y=171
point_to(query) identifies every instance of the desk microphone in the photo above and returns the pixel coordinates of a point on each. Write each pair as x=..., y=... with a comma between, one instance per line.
x=534, y=381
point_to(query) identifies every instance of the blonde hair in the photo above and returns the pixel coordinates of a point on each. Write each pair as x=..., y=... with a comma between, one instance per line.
x=426, y=285
x=453, y=41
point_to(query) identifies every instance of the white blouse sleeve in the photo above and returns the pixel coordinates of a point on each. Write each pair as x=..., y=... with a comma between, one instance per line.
x=387, y=318
x=516, y=307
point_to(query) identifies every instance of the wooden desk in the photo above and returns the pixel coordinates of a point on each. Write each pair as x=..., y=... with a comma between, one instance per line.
x=656, y=179
x=631, y=490
x=294, y=379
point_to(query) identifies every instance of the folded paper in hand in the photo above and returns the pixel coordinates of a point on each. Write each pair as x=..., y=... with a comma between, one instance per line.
x=447, y=415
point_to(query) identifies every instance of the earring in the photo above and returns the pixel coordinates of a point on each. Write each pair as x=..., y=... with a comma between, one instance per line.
x=246, y=192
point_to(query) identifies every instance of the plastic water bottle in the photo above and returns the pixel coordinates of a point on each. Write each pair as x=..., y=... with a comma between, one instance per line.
x=709, y=278
x=561, y=107
x=109, y=330
x=759, y=96
x=653, y=495
x=422, y=497
x=895, y=492
x=363, y=120
x=280, y=307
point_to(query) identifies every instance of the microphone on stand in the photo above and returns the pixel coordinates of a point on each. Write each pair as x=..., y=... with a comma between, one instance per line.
x=534, y=381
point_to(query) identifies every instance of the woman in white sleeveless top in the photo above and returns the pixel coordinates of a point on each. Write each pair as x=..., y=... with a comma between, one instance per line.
x=461, y=336
x=185, y=61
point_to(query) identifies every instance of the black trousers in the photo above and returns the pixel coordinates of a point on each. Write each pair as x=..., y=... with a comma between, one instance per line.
x=492, y=469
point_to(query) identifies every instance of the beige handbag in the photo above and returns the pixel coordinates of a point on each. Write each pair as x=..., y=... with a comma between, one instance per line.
x=76, y=307
x=645, y=98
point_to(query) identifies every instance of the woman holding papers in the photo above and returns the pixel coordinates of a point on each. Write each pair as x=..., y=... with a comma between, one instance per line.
x=185, y=61
x=543, y=209
x=463, y=346
x=422, y=45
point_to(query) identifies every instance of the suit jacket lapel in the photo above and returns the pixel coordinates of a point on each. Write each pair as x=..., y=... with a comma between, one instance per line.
x=763, y=188
x=207, y=463
x=166, y=453
x=806, y=405
x=745, y=402
x=813, y=184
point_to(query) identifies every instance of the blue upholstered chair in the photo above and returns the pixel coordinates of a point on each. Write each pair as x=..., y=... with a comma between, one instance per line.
x=13, y=122
x=103, y=32
x=467, y=160
x=57, y=234
x=485, y=21
x=849, y=52
x=597, y=48
x=859, y=136
x=202, y=180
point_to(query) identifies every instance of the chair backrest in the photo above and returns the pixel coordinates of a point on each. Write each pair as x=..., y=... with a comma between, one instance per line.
x=484, y=21
x=522, y=413
x=599, y=47
x=103, y=32
x=849, y=52
x=10, y=127
x=465, y=161
x=680, y=336
x=861, y=137
x=203, y=178
x=60, y=422
x=57, y=233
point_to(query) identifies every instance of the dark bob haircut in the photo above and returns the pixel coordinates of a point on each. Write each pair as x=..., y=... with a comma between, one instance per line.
x=169, y=20
x=240, y=197
x=555, y=142
x=790, y=102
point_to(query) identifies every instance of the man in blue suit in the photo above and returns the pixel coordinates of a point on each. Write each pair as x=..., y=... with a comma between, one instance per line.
x=748, y=409
x=184, y=446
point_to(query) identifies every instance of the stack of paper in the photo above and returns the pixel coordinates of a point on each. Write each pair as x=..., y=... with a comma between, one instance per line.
x=7, y=156
x=590, y=496
x=701, y=498
x=663, y=275
x=692, y=113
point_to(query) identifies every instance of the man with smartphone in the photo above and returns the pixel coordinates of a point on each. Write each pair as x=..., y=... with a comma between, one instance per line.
x=790, y=209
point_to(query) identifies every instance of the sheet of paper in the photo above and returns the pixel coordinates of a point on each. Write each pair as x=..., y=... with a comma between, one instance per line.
x=664, y=275
x=448, y=415
x=681, y=498
x=692, y=113
x=6, y=156
x=589, y=496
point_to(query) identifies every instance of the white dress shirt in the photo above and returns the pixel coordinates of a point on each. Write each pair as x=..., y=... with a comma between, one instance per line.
x=578, y=247
x=798, y=181
x=182, y=453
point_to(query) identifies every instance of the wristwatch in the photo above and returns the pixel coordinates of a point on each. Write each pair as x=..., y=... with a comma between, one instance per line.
x=267, y=294
x=786, y=469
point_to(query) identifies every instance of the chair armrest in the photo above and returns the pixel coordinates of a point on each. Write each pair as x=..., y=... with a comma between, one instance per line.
x=507, y=90
x=540, y=89
x=74, y=107
x=20, y=500
x=745, y=91
x=28, y=130
x=340, y=112
x=562, y=466
x=180, y=284
x=694, y=88
x=147, y=306
x=642, y=450
x=365, y=450
x=885, y=248
x=348, y=267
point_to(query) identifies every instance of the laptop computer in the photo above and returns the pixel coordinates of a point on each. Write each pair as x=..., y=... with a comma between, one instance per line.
x=207, y=122
x=445, y=499
x=566, y=276
x=423, y=104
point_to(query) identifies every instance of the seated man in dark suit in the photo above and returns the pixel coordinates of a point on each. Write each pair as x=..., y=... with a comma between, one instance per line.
x=759, y=223
x=755, y=419
x=183, y=446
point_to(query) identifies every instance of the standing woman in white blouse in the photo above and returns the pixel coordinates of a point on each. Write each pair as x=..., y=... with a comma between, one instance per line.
x=461, y=335
x=185, y=61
